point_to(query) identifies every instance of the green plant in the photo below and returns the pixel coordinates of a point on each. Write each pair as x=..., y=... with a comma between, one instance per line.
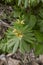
x=19, y=36
x=27, y=31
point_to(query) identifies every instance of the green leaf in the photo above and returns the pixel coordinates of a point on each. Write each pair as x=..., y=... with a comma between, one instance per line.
x=15, y=14
x=11, y=43
x=8, y=1
x=26, y=3
x=21, y=48
x=41, y=25
x=38, y=49
x=16, y=46
x=42, y=1
x=32, y=21
x=24, y=47
x=40, y=12
x=34, y=2
x=39, y=36
x=19, y=2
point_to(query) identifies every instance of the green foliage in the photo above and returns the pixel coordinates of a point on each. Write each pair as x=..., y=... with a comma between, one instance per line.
x=27, y=31
x=19, y=36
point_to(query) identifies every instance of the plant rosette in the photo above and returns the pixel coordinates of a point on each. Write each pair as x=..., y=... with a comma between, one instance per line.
x=20, y=36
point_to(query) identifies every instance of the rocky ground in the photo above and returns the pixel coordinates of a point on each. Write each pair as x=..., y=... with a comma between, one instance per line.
x=5, y=18
x=20, y=59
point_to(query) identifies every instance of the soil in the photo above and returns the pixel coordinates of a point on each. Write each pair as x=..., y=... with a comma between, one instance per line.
x=20, y=59
x=5, y=22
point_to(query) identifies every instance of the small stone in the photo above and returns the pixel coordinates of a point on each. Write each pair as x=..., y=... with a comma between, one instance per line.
x=13, y=62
